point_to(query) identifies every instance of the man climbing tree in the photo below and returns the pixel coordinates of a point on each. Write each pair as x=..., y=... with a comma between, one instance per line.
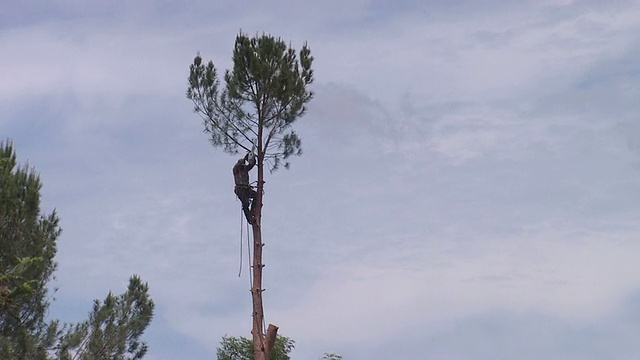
x=264, y=94
x=243, y=189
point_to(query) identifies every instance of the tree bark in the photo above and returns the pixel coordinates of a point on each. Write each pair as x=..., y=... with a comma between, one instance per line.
x=262, y=346
x=270, y=340
x=256, y=290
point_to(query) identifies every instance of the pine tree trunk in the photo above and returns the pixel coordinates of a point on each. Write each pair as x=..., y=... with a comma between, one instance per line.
x=262, y=346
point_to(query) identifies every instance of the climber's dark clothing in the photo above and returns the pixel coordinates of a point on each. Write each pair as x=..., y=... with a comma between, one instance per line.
x=242, y=189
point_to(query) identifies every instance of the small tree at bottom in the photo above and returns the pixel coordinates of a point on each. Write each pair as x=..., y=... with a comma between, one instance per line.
x=241, y=348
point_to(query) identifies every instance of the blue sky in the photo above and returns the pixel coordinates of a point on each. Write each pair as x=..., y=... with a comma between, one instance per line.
x=468, y=189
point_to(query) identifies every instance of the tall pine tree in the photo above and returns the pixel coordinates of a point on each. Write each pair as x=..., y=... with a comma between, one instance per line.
x=263, y=95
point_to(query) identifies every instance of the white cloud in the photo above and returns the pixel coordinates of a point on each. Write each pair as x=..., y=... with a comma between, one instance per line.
x=564, y=274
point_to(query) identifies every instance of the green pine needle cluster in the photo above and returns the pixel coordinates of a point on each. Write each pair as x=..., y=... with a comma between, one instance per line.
x=241, y=348
x=264, y=94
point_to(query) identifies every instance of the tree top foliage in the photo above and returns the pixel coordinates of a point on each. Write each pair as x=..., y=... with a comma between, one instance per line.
x=263, y=94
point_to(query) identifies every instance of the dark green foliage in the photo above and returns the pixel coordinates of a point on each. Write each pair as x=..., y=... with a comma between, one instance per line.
x=264, y=93
x=233, y=348
x=27, y=250
x=28, y=246
x=114, y=327
x=332, y=356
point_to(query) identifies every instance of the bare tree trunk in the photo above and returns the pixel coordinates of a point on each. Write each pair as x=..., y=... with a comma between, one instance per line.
x=272, y=332
x=262, y=346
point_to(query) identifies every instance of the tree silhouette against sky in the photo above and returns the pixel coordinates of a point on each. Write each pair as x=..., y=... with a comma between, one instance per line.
x=263, y=95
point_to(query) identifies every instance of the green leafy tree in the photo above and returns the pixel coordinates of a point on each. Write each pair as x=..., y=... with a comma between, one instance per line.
x=114, y=327
x=241, y=348
x=27, y=250
x=28, y=246
x=263, y=95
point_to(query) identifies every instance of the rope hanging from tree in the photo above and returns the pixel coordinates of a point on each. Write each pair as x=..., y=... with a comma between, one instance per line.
x=242, y=222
